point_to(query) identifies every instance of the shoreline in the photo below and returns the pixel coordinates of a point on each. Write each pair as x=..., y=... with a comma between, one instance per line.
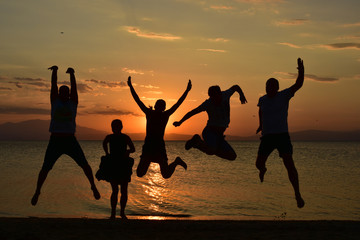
x=88, y=228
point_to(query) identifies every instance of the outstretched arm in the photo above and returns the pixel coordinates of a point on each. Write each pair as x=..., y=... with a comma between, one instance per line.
x=73, y=90
x=188, y=115
x=54, y=92
x=181, y=99
x=300, y=79
x=136, y=97
x=236, y=88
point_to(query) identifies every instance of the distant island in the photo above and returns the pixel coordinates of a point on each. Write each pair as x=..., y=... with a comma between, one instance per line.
x=39, y=130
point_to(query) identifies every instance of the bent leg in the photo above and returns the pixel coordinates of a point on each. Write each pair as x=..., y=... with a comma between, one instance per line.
x=123, y=199
x=225, y=151
x=168, y=170
x=142, y=167
x=114, y=198
x=293, y=177
x=260, y=164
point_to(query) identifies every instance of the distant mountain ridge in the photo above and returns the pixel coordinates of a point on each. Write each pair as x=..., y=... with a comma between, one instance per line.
x=39, y=130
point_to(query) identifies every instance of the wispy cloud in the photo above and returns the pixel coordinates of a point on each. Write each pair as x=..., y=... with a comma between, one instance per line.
x=339, y=46
x=217, y=40
x=212, y=50
x=155, y=92
x=311, y=77
x=5, y=89
x=261, y=1
x=105, y=84
x=23, y=110
x=289, y=45
x=357, y=24
x=221, y=7
x=292, y=22
x=111, y=111
x=151, y=35
x=132, y=71
x=149, y=86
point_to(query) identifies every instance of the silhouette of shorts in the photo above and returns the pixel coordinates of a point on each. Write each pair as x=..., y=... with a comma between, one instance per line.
x=63, y=145
x=216, y=140
x=270, y=142
x=154, y=151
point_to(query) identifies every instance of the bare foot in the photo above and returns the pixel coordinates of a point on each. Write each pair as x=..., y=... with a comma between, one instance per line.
x=300, y=202
x=96, y=193
x=191, y=143
x=261, y=174
x=123, y=216
x=34, y=199
x=179, y=161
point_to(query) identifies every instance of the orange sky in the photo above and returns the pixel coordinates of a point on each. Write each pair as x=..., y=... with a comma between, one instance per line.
x=162, y=44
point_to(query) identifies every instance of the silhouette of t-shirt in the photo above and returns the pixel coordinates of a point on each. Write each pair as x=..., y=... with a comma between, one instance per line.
x=63, y=116
x=155, y=124
x=118, y=145
x=218, y=114
x=274, y=111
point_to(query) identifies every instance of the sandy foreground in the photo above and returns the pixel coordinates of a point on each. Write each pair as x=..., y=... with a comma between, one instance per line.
x=82, y=228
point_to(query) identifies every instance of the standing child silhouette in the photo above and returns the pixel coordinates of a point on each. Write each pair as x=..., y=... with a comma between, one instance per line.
x=120, y=168
x=154, y=146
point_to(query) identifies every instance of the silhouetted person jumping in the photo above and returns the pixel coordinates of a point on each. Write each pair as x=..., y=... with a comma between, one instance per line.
x=273, y=112
x=153, y=149
x=218, y=110
x=120, y=165
x=64, y=104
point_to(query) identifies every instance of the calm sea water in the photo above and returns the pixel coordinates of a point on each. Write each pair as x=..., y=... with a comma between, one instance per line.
x=211, y=188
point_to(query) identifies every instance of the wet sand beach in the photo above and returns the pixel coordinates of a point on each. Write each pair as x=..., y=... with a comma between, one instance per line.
x=84, y=228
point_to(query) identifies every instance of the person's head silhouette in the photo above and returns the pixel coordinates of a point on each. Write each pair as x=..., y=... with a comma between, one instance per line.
x=160, y=105
x=64, y=93
x=214, y=93
x=116, y=126
x=272, y=87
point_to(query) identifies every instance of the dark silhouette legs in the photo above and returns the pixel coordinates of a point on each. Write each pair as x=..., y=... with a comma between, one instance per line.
x=114, y=199
x=220, y=148
x=166, y=169
x=42, y=177
x=292, y=173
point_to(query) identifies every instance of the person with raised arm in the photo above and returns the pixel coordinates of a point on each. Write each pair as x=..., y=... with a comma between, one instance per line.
x=64, y=102
x=153, y=149
x=218, y=109
x=273, y=125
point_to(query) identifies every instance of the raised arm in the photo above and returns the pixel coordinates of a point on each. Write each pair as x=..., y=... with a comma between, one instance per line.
x=300, y=79
x=236, y=88
x=73, y=90
x=188, y=115
x=136, y=97
x=54, y=92
x=181, y=99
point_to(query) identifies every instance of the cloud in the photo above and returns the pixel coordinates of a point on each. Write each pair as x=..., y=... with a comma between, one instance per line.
x=111, y=111
x=339, y=46
x=5, y=89
x=83, y=88
x=120, y=84
x=23, y=110
x=149, y=86
x=293, y=22
x=212, y=50
x=311, y=77
x=132, y=71
x=352, y=25
x=289, y=45
x=221, y=7
x=218, y=40
x=261, y=1
x=151, y=35
x=155, y=92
